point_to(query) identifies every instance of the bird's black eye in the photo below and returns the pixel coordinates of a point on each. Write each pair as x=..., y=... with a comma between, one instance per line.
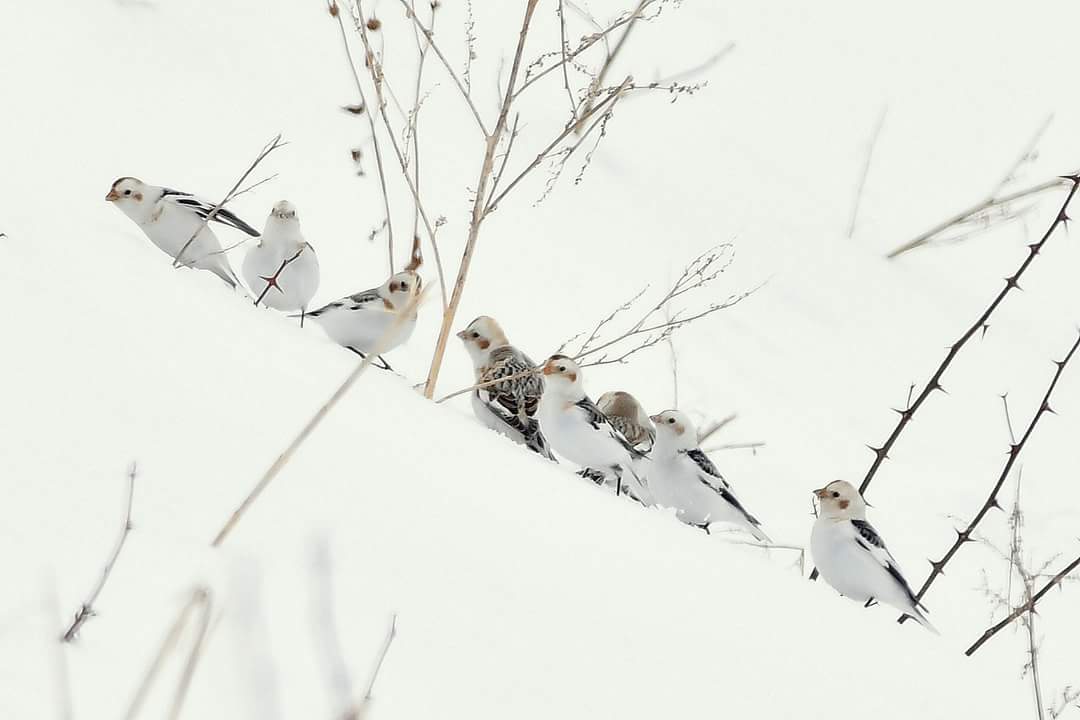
x=835, y=494
x=562, y=368
x=670, y=421
x=475, y=335
x=404, y=286
x=127, y=192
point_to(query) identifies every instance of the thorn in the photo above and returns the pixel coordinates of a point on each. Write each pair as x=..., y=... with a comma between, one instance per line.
x=1010, y=282
x=986, y=326
x=1046, y=408
x=1074, y=179
x=879, y=452
x=1063, y=217
x=995, y=504
x=938, y=567
x=1034, y=248
x=1014, y=449
x=963, y=536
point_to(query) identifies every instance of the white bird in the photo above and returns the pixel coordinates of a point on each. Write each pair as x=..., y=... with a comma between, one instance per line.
x=579, y=432
x=507, y=407
x=682, y=477
x=852, y=557
x=170, y=218
x=282, y=269
x=373, y=320
x=629, y=418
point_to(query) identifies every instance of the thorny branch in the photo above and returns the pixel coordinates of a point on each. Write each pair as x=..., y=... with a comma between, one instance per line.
x=934, y=383
x=86, y=611
x=1023, y=608
x=267, y=149
x=272, y=281
x=963, y=536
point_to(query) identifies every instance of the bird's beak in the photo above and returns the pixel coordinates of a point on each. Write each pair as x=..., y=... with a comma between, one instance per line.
x=822, y=493
x=112, y=196
x=655, y=418
x=461, y=335
x=549, y=369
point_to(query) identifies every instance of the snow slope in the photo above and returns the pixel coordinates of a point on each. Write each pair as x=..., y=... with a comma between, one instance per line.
x=521, y=591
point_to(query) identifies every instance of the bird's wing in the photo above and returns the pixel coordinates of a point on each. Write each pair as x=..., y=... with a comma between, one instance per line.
x=706, y=468
x=202, y=208
x=595, y=417
x=518, y=397
x=366, y=300
x=867, y=538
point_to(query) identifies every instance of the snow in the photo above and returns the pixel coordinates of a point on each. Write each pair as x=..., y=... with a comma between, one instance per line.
x=519, y=589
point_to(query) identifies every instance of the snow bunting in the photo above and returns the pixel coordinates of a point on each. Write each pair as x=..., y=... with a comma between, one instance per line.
x=682, y=477
x=282, y=268
x=629, y=418
x=359, y=322
x=852, y=557
x=582, y=434
x=170, y=218
x=507, y=407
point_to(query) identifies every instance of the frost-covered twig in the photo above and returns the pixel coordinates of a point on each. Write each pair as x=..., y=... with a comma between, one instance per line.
x=286, y=455
x=1015, y=448
x=86, y=611
x=267, y=149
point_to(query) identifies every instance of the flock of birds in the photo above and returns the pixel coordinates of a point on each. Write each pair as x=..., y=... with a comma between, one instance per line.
x=653, y=460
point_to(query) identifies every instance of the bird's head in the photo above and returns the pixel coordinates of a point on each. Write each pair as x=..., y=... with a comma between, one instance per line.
x=675, y=429
x=618, y=403
x=562, y=375
x=839, y=500
x=284, y=211
x=132, y=196
x=401, y=288
x=481, y=336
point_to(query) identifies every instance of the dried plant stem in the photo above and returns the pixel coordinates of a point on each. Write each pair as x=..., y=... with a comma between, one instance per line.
x=267, y=149
x=359, y=710
x=193, y=659
x=937, y=567
x=336, y=12
x=478, y=210
x=287, y=454
x=1027, y=606
x=86, y=611
x=866, y=171
x=200, y=599
x=934, y=383
x=378, y=79
x=707, y=432
x=971, y=212
x=598, y=81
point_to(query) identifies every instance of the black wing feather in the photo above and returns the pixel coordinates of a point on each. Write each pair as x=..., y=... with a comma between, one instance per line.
x=599, y=420
x=203, y=210
x=868, y=537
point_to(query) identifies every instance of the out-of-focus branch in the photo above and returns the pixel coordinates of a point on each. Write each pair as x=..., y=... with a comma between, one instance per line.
x=86, y=611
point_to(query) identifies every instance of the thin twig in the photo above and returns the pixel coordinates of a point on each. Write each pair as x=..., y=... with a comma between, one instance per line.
x=449, y=68
x=272, y=281
x=974, y=212
x=866, y=171
x=1027, y=155
x=86, y=611
x=561, y=10
x=598, y=81
x=194, y=656
x=267, y=149
x=286, y=455
x=336, y=12
x=1021, y=609
x=737, y=446
x=934, y=383
x=359, y=710
x=964, y=536
x=708, y=431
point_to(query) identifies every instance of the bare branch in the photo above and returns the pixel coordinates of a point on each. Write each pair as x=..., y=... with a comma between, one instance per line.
x=708, y=431
x=272, y=281
x=964, y=536
x=267, y=149
x=86, y=611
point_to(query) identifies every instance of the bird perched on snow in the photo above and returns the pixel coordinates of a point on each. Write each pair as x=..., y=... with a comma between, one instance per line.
x=578, y=431
x=170, y=218
x=282, y=269
x=682, y=477
x=852, y=557
x=507, y=407
x=629, y=418
x=359, y=322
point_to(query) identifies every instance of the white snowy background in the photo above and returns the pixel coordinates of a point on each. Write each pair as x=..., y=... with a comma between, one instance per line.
x=520, y=590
